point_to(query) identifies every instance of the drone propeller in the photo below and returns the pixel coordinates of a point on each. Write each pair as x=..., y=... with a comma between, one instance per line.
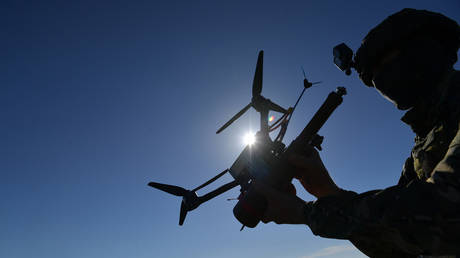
x=257, y=83
x=189, y=199
x=256, y=91
x=172, y=189
x=306, y=83
x=183, y=213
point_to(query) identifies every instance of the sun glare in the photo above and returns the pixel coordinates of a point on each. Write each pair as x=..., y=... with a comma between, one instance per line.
x=249, y=139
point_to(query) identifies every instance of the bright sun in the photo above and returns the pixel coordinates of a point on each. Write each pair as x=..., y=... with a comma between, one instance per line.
x=249, y=139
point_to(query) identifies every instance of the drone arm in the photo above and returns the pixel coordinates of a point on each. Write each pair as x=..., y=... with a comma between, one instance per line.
x=275, y=107
x=283, y=120
x=210, y=180
x=264, y=122
x=234, y=118
x=285, y=124
x=282, y=131
x=275, y=124
x=218, y=191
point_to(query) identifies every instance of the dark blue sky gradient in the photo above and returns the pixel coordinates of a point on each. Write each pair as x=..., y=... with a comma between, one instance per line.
x=99, y=98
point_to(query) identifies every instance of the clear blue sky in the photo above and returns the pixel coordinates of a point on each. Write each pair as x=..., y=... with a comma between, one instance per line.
x=99, y=98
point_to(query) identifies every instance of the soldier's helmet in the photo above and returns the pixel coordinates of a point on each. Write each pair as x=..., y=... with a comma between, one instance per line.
x=401, y=29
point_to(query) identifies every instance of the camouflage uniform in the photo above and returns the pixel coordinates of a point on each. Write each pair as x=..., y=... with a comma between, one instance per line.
x=421, y=214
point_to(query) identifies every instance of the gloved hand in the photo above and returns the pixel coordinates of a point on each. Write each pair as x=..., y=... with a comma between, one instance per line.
x=282, y=207
x=312, y=173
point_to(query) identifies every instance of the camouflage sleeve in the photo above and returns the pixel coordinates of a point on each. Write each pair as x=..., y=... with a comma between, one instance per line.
x=415, y=218
x=447, y=172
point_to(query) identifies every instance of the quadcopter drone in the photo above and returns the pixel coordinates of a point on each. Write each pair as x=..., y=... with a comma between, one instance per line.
x=264, y=160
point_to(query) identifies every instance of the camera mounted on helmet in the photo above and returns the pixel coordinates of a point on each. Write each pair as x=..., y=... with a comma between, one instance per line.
x=399, y=31
x=343, y=58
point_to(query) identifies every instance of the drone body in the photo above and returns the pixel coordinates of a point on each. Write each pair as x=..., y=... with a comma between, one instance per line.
x=265, y=160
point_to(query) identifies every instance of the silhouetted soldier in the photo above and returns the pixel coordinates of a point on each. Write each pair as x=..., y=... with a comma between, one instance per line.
x=409, y=59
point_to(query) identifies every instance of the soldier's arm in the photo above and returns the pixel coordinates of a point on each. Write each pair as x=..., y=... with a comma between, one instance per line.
x=418, y=217
x=447, y=172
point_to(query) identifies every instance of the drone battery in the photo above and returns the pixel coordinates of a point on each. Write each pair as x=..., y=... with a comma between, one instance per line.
x=251, y=164
x=250, y=208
